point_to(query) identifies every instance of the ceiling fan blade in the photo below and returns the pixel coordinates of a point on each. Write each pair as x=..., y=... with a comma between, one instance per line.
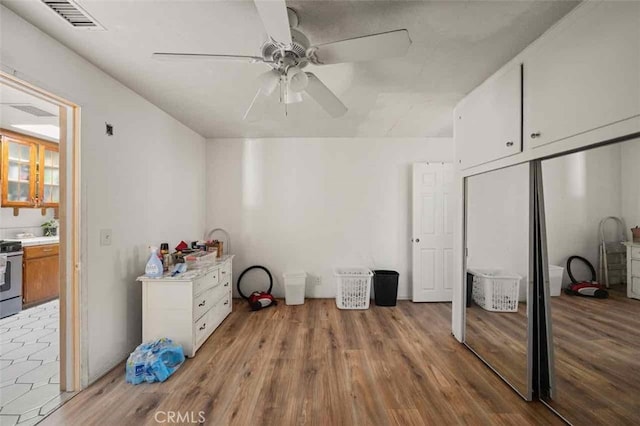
x=366, y=48
x=203, y=57
x=275, y=19
x=268, y=84
x=257, y=108
x=324, y=97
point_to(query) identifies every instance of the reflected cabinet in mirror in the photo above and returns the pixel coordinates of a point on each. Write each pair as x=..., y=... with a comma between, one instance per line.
x=591, y=202
x=497, y=325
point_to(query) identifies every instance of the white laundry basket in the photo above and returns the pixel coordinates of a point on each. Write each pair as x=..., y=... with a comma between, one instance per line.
x=353, y=287
x=555, y=279
x=495, y=290
x=294, y=287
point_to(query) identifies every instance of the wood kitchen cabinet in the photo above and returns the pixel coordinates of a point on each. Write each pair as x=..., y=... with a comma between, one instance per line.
x=30, y=171
x=18, y=172
x=40, y=274
x=49, y=182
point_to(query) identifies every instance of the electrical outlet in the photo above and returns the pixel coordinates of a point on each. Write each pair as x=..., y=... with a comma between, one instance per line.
x=105, y=237
x=314, y=280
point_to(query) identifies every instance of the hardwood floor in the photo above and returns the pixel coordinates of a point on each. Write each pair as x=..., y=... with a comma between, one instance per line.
x=316, y=365
x=597, y=350
x=501, y=339
x=597, y=353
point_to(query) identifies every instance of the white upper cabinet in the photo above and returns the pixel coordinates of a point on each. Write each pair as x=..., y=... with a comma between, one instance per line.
x=584, y=74
x=488, y=123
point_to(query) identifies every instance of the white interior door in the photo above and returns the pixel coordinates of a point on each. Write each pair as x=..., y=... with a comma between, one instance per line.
x=432, y=240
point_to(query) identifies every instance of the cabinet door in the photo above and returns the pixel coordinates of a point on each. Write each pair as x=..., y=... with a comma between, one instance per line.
x=489, y=122
x=18, y=172
x=40, y=280
x=49, y=176
x=584, y=74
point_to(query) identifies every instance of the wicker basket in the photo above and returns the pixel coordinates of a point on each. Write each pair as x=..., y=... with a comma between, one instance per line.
x=353, y=288
x=495, y=290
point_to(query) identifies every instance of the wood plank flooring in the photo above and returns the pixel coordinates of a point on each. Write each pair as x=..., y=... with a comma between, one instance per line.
x=597, y=350
x=316, y=365
x=501, y=339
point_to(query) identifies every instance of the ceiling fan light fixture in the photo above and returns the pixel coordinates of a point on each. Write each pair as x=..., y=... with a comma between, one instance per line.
x=291, y=96
x=297, y=79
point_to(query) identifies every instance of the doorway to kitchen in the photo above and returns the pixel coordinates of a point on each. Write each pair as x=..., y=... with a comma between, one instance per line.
x=39, y=251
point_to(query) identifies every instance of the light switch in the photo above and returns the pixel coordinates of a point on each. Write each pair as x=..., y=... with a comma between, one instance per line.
x=105, y=237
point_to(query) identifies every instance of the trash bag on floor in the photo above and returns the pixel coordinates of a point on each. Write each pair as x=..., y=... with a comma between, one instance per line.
x=154, y=361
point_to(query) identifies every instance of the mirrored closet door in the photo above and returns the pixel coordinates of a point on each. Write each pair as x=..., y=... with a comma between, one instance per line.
x=591, y=202
x=497, y=317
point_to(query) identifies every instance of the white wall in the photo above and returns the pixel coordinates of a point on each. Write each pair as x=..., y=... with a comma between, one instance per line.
x=29, y=220
x=579, y=191
x=146, y=184
x=313, y=204
x=498, y=222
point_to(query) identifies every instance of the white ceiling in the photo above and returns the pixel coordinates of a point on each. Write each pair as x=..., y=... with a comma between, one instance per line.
x=456, y=45
x=10, y=116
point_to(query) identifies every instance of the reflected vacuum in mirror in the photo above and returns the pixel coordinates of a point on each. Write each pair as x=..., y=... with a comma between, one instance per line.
x=585, y=288
x=596, y=342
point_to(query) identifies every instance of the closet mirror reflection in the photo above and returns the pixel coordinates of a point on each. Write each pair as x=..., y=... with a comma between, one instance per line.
x=497, y=264
x=596, y=342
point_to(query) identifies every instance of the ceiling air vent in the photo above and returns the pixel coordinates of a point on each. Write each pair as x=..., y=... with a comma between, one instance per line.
x=33, y=110
x=72, y=13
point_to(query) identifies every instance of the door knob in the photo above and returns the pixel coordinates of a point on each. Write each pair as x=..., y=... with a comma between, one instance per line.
x=535, y=135
x=417, y=240
x=510, y=143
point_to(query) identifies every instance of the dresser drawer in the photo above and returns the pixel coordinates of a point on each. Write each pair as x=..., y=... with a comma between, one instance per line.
x=203, y=302
x=224, y=304
x=41, y=251
x=226, y=286
x=207, y=300
x=203, y=326
x=210, y=279
x=225, y=272
x=635, y=268
x=635, y=252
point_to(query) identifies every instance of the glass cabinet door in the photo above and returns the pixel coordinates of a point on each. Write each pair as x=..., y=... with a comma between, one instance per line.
x=19, y=172
x=49, y=176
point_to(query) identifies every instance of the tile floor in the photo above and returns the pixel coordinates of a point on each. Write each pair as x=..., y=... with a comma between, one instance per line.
x=29, y=365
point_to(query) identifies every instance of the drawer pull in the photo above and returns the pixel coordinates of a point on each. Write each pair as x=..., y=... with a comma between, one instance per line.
x=203, y=326
x=226, y=302
x=204, y=302
x=224, y=272
x=226, y=285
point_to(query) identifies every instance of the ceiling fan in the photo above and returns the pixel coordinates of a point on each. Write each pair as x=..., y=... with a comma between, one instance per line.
x=288, y=51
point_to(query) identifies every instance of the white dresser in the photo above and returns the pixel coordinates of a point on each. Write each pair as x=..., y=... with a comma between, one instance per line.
x=189, y=307
x=633, y=270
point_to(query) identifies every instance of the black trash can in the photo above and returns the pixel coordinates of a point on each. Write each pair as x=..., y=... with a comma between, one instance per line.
x=385, y=286
x=469, y=288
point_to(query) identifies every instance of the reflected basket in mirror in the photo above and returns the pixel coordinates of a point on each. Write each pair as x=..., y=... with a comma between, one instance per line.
x=636, y=234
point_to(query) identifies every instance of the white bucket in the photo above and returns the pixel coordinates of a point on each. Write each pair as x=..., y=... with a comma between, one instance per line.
x=294, y=287
x=555, y=279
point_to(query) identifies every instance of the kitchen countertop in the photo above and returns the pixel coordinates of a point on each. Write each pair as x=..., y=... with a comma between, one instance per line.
x=36, y=241
x=194, y=271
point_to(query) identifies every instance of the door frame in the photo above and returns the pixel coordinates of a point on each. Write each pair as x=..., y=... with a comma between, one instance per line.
x=70, y=221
